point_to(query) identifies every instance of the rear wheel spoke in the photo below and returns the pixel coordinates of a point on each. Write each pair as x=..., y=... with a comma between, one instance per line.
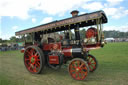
x=32, y=51
x=28, y=53
x=38, y=59
x=37, y=65
x=29, y=68
x=34, y=69
x=27, y=59
x=36, y=54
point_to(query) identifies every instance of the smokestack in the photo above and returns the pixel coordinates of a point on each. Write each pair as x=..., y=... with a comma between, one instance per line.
x=77, y=34
x=76, y=29
x=74, y=13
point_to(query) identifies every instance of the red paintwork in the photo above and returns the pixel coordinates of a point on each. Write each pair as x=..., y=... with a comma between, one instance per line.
x=29, y=55
x=91, y=32
x=93, y=45
x=55, y=46
x=78, y=70
x=67, y=51
x=22, y=50
x=51, y=46
x=53, y=59
x=91, y=63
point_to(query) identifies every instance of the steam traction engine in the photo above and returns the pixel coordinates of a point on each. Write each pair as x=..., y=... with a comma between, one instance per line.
x=50, y=48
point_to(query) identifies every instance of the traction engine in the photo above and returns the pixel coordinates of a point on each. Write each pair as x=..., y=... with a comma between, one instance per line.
x=50, y=48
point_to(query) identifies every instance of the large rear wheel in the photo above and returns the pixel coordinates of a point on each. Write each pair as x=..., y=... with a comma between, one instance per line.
x=92, y=63
x=34, y=59
x=78, y=69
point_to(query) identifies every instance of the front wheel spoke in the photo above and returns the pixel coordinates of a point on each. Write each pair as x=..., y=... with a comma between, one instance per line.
x=82, y=71
x=74, y=65
x=82, y=76
x=72, y=70
x=81, y=65
x=91, y=60
x=85, y=71
x=77, y=73
x=78, y=63
x=74, y=74
x=94, y=63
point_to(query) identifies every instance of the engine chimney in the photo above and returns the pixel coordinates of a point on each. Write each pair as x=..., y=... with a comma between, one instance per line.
x=76, y=30
x=77, y=33
x=74, y=13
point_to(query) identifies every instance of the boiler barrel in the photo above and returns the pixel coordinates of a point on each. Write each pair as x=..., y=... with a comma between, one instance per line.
x=72, y=51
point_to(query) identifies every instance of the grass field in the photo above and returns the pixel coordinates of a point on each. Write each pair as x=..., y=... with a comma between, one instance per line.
x=112, y=69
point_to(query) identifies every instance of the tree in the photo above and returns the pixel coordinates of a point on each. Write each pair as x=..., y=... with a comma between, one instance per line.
x=115, y=34
x=14, y=39
x=0, y=40
x=82, y=33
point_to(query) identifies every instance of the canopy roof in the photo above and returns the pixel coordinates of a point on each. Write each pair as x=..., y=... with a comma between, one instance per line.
x=83, y=20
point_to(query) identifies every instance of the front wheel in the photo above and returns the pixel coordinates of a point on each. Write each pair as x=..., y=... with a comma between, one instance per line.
x=92, y=63
x=78, y=69
x=34, y=59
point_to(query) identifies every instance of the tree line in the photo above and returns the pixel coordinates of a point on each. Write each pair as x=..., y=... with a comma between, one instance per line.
x=107, y=34
x=115, y=34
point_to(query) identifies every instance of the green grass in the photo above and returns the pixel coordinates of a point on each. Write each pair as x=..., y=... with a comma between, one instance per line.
x=4, y=80
x=112, y=69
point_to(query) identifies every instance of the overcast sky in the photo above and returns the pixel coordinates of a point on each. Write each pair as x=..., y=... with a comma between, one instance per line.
x=17, y=15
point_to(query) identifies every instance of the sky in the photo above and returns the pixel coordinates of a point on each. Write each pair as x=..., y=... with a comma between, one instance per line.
x=16, y=15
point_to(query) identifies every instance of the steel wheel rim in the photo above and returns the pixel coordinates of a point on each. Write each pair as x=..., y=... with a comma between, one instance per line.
x=78, y=69
x=91, y=63
x=32, y=60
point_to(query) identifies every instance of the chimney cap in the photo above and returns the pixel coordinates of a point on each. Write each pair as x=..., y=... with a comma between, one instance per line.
x=74, y=13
